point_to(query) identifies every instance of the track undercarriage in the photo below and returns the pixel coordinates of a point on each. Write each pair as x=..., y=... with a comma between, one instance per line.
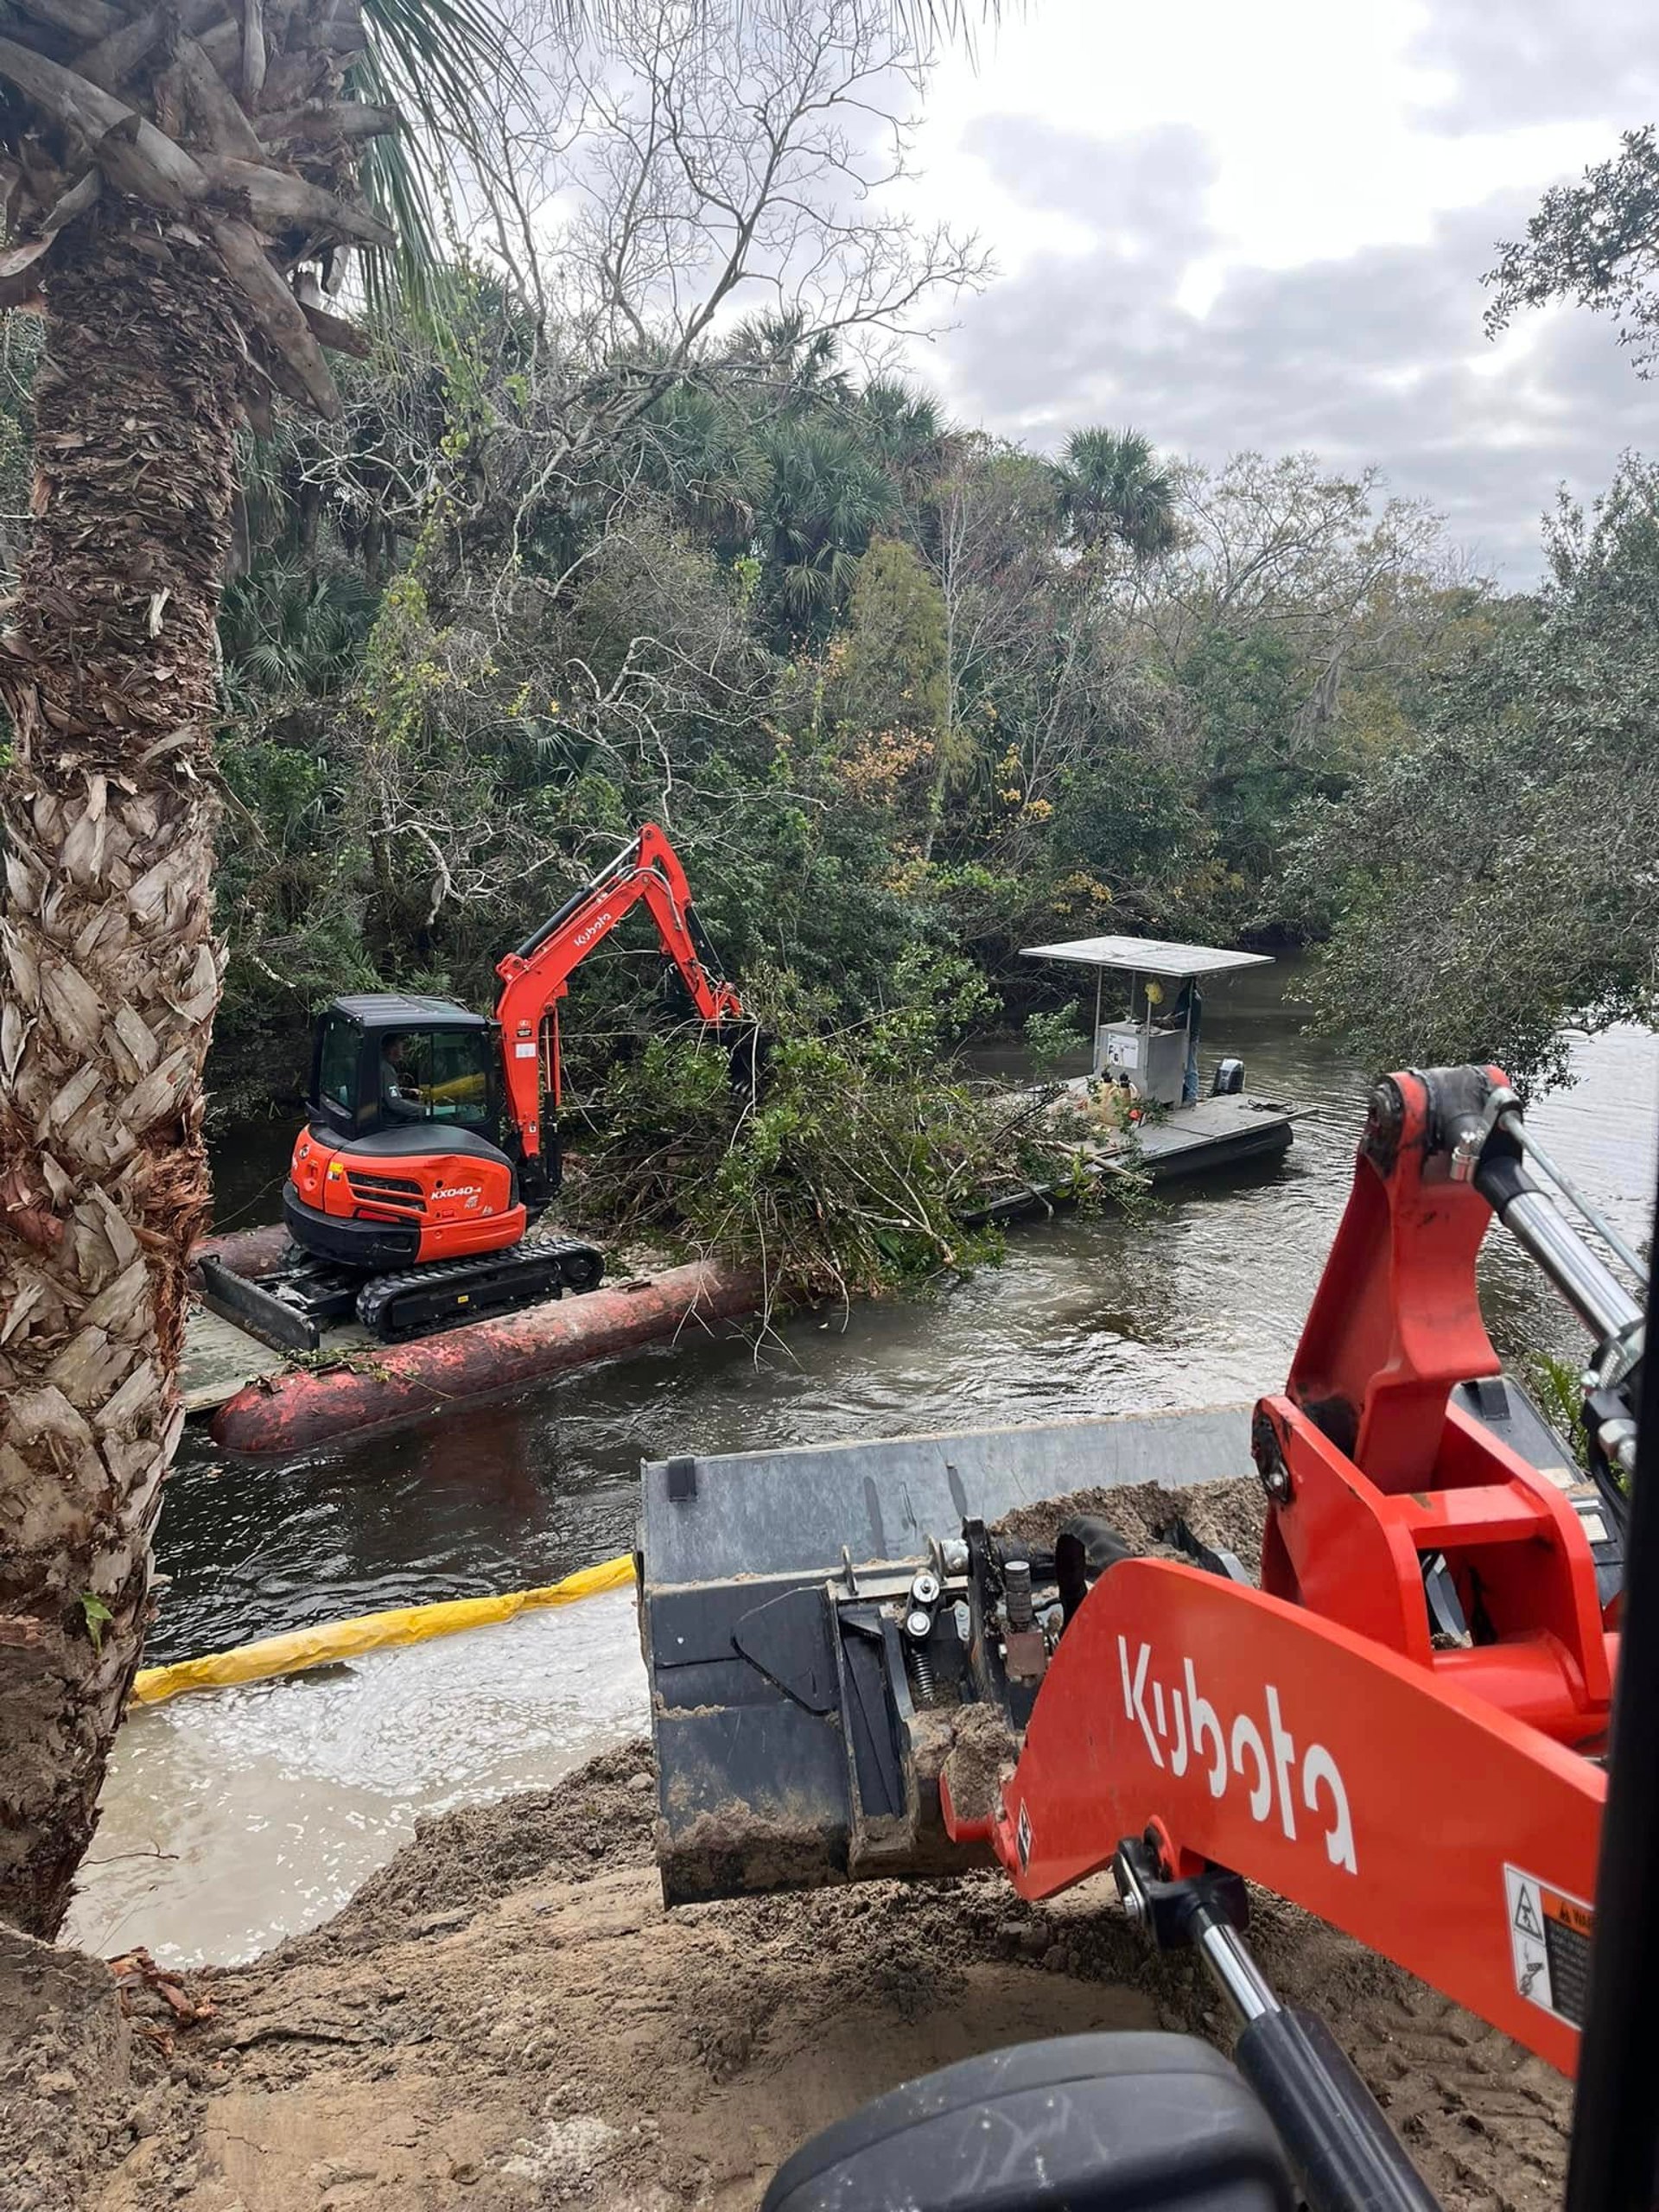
x=291, y=1308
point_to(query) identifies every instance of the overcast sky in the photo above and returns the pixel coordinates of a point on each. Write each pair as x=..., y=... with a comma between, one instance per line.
x=1264, y=222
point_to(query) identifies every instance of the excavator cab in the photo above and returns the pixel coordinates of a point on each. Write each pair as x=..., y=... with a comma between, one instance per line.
x=401, y=1162
x=384, y=1061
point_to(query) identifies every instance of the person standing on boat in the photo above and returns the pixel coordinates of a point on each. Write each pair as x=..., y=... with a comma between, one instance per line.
x=1188, y=1009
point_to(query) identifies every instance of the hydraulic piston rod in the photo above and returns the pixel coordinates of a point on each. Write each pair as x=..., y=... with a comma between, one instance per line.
x=1595, y=1294
x=1340, y=2141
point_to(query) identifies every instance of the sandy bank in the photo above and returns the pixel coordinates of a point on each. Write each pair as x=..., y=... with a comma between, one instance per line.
x=505, y=2017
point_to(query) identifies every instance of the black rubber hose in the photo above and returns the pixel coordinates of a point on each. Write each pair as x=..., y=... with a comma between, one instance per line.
x=1614, y=2165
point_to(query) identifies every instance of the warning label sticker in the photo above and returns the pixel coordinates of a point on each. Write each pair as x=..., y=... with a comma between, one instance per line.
x=1549, y=1939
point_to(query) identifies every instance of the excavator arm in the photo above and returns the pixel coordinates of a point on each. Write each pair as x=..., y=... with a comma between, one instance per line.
x=537, y=975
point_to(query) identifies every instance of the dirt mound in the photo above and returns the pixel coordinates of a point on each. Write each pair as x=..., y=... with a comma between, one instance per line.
x=65, y=2071
x=506, y=2017
x=600, y=1816
x=556, y=2037
x=1229, y=1516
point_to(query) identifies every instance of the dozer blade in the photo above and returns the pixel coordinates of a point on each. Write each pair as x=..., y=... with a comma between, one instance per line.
x=801, y=1727
x=284, y=1326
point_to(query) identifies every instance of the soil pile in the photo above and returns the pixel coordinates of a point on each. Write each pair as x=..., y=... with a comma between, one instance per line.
x=506, y=2017
x=1228, y=1517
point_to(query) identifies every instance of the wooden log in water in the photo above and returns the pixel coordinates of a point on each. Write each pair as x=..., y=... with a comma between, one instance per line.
x=251, y=1252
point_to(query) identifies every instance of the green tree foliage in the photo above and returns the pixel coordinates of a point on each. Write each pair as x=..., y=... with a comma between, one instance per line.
x=886, y=688
x=848, y=651
x=824, y=493
x=1111, y=485
x=850, y=1175
x=1497, y=877
x=1595, y=243
x=1246, y=689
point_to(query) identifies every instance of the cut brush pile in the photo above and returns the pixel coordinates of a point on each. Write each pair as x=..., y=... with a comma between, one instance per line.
x=851, y=1171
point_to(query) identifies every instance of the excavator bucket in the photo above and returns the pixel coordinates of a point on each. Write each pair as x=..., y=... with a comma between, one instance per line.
x=811, y=1622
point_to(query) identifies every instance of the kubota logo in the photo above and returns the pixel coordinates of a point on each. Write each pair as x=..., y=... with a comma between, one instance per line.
x=598, y=922
x=1180, y=1725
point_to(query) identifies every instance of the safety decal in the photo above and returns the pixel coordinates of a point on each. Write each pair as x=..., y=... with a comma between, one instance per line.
x=1022, y=1839
x=1549, y=1939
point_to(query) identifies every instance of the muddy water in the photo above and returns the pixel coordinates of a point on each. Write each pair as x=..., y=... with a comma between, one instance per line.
x=300, y=1788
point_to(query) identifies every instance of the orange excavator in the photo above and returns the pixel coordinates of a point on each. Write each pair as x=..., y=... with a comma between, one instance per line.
x=432, y=1145
x=1430, y=1715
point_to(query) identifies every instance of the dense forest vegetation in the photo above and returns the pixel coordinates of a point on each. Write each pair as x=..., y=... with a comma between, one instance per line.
x=573, y=558
x=890, y=682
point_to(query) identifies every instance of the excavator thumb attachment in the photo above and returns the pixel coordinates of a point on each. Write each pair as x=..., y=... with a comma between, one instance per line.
x=811, y=1625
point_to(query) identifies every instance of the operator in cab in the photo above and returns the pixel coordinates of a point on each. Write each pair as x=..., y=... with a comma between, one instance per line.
x=400, y=1098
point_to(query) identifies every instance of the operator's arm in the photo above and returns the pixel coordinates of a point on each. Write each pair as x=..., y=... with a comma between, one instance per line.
x=399, y=1101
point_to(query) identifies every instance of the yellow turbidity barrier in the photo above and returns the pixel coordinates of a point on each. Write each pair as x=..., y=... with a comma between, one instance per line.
x=316, y=1647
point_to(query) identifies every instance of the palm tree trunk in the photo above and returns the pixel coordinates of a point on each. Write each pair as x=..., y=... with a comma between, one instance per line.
x=109, y=977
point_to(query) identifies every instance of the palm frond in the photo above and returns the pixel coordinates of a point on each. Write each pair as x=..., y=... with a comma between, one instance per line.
x=923, y=20
x=438, y=62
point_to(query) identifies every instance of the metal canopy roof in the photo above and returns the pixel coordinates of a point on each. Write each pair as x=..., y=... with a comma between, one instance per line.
x=1147, y=956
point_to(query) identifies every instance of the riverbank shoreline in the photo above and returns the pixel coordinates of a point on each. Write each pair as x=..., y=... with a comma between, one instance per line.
x=504, y=2017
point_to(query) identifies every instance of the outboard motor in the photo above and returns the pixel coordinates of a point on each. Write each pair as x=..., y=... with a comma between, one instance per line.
x=1229, y=1079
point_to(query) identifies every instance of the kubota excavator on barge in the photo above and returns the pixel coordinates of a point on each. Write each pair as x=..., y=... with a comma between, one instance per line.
x=1404, y=1722
x=432, y=1145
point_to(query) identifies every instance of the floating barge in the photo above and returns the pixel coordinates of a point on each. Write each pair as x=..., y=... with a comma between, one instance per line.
x=1150, y=1056
x=264, y=1402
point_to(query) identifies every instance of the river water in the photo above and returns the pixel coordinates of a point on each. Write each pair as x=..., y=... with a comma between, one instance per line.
x=230, y=1818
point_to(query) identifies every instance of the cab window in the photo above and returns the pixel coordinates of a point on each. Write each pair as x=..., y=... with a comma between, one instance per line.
x=436, y=1075
x=337, y=1065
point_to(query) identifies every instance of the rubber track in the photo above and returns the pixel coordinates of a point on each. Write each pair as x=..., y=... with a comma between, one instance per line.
x=377, y=1301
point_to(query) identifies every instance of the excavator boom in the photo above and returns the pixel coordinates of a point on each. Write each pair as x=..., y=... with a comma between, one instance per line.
x=535, y=978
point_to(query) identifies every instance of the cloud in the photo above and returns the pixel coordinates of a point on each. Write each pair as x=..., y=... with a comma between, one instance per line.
x=1540, y=61
x=1377, y=358
x=1149, y=188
